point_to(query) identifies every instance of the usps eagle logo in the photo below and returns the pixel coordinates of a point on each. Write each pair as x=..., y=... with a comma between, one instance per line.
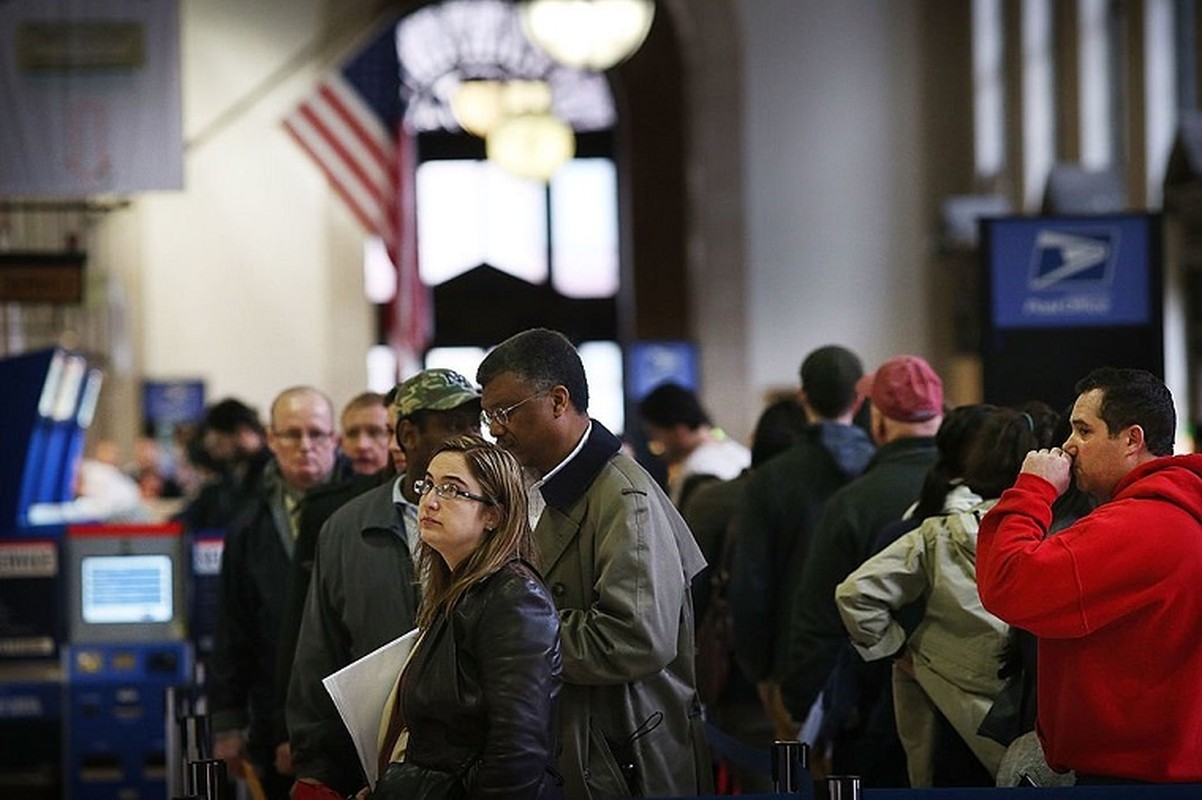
x=1073, y=260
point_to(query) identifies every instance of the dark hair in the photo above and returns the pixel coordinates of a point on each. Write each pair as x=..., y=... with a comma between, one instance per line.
x=952, y=441
x=229, y=415
x=828, y=377
x=501, y=480
x=1045, y=423
x=1134, y=397
x=199, y=455
x=997, y=451
x=671, y=404
x=541, y=358
x=779, y=427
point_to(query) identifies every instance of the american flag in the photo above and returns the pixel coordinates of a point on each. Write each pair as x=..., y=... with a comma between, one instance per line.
x=352, y=127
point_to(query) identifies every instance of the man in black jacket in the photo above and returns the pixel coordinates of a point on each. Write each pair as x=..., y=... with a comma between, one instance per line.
x=254, y=568
x=785, y=498
x=907, y=409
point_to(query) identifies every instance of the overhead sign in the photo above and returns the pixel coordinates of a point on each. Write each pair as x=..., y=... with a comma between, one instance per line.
x=173, y=402
x=1070, y=272
x=91, y=97
x=653, y=363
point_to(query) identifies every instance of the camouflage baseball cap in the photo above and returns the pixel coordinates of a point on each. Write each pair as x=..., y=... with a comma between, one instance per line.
x=433, y=390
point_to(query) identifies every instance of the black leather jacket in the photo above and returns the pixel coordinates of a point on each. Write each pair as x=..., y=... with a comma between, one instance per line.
x=480, y=694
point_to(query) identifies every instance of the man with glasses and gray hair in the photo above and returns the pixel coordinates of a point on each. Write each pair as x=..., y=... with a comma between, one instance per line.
x=619, y=560
x=254, y=569
x=363, y=592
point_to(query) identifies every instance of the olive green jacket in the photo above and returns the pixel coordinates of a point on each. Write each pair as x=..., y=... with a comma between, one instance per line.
x=619, y=560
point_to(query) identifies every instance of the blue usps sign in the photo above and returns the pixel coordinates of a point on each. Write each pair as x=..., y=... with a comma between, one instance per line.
x=1070, y=272
x=653, y=363
x=173, y=402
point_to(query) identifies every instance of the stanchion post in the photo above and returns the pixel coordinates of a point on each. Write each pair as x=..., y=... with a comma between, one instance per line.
x=790, y=765
x=843, y=787
x=207, y=779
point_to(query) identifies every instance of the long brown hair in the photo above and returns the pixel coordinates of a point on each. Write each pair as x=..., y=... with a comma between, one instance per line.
x=501, y=481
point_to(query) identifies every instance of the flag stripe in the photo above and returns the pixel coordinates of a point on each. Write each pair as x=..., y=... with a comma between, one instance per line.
x=362, y=201
x=358, y=117
x=376, y=189
x=372, y=174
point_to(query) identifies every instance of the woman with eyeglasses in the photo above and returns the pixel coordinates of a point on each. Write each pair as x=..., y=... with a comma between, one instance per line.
x=472, y=714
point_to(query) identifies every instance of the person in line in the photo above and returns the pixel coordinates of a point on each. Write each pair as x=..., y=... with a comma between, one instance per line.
x=364, y=592
x=367, y=428
x=255, y=563
x=907, y=410
x=364, y=437
x=680, y=431
x=873, y=690
x=474, y=707
x=714, y=513
x=1112, y=598
x=619, y=560
x=955, y=651
x=234, y=446
x=785, y=499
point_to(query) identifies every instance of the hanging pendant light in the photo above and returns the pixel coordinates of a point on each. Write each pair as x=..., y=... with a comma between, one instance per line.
x=589, y=34
x=477, y=105
x=531, y=146
x=481, y=105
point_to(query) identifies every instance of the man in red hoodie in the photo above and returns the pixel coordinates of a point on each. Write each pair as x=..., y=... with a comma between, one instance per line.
x=1114, y=598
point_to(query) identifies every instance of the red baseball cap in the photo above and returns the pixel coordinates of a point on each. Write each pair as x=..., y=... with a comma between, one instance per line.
x=904, y=388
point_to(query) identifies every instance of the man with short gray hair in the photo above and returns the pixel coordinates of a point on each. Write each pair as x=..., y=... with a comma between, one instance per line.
x=255, y=563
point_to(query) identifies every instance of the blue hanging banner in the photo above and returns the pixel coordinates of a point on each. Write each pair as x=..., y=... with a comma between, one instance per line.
x=173, y=402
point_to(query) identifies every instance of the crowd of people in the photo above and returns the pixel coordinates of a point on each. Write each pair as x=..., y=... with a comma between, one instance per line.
x=928, y=596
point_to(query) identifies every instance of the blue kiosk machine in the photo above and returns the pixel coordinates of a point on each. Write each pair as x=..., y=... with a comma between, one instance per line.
x=127, y=646
x=92, y=616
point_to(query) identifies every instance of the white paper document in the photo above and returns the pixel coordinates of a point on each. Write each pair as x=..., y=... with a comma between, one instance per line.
x=360, y=690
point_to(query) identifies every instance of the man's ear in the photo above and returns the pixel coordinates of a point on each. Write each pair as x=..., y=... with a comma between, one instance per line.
x=1133, y=439
x=406, y=435
x=560, y=399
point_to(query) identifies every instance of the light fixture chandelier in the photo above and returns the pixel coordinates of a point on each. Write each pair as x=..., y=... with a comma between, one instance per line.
x=531, y=146
x=470, y=65
x=480, y=105
x=588, y=34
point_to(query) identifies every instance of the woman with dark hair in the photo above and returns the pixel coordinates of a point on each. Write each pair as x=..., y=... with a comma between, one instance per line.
x=955, y=651
x=473, y=712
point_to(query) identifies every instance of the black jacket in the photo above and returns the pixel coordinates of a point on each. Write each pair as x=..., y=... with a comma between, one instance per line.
x=482, y=689
x=320, y=505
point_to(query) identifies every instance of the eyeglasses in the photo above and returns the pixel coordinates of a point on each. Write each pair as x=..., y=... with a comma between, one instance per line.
x=293, y=437
x=447, y=491
x=501, y=415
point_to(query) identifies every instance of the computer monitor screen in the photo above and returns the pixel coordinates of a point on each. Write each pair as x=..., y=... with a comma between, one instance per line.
x=126, y=589
x=126, y=583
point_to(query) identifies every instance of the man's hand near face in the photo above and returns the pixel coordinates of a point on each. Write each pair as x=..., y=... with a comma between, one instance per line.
x=1053, y=465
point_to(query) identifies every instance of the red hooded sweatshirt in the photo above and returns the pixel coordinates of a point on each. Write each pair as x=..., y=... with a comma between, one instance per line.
x=1116, y=601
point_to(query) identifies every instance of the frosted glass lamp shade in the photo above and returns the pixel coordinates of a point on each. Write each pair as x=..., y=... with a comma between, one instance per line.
x=588, y=34
x=531, y=146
